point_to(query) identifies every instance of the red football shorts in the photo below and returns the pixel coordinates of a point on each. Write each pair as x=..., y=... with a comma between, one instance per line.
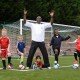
x=3, y=53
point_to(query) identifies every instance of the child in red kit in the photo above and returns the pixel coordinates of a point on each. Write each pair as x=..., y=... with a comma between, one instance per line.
x=38, y=63
x=77, y=49
x=4, y=47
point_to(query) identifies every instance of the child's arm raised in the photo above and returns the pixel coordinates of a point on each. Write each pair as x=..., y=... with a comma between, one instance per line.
x=72, y=42
x=65, y=38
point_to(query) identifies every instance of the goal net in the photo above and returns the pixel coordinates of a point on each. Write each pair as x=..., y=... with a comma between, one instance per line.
x=17, y=28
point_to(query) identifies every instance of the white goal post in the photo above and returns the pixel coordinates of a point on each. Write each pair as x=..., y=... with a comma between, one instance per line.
x=18, y=28
x=72, y=28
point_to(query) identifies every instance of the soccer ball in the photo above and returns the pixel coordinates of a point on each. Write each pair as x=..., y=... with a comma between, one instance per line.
x=9, y=67
x=75, y=66
x=21, y=67
x=56, y=66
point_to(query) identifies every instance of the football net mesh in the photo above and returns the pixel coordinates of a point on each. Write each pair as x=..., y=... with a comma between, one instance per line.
x=16, y=28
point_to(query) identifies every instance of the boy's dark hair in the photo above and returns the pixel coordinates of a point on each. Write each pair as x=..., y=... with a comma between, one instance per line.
x=55, y=31
x=38, y=57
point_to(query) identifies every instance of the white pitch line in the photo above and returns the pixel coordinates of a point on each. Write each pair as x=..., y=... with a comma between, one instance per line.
x=1, y=68
x=20, y=70
x=63, y=66
x=34, y=70
x=66, y=66
x=42, y=69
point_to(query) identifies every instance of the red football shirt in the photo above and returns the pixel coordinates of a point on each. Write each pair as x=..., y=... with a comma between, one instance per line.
x=78, y=44
x=39, y=63
x=4, y=42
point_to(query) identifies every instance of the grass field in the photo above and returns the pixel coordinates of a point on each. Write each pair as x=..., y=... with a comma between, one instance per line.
x=66, y=73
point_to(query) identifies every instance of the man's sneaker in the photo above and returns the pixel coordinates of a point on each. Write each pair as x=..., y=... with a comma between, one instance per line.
x=49, y=67
x=4, y=68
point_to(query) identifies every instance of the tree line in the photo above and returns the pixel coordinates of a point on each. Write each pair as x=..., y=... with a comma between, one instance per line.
x=66, y=11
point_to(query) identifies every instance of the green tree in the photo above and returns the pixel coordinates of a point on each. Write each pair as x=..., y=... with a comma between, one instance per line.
x=66, y=11
x=11, y=10
x=36, y=8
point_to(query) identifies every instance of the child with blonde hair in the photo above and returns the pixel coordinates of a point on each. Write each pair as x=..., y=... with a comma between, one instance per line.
x=5, y=48
x=21, y=48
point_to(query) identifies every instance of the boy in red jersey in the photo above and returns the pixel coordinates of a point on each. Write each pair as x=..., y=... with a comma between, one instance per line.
x=4, y=47
x=38, y=62
x=77, y=48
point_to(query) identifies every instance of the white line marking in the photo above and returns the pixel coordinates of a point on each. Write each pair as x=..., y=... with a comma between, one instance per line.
x=66, y=66
x=33, y=69
x=20, y=70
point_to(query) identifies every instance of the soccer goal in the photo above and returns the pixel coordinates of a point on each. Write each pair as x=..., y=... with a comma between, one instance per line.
x=17, y=28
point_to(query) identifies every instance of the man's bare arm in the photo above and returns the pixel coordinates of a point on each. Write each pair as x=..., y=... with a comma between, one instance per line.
x=52, y=16
x=24, y=17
